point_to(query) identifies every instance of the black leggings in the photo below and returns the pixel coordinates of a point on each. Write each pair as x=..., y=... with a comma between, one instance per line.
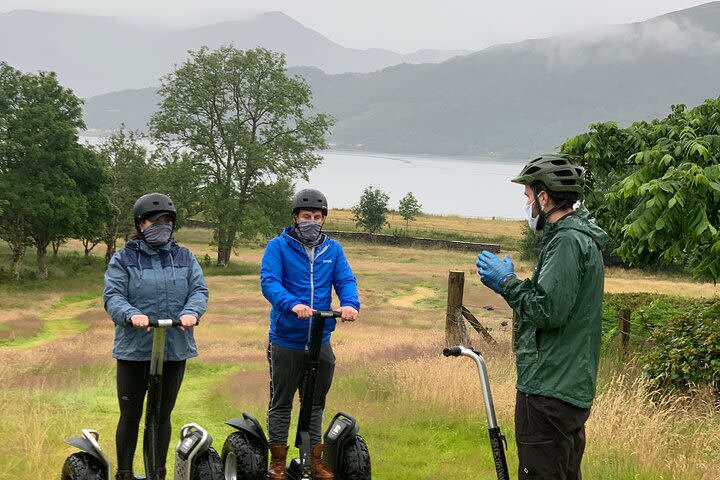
x=132, y=381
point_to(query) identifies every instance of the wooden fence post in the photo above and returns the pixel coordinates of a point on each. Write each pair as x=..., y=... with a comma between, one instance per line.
x=624, y=320
x=455, y=331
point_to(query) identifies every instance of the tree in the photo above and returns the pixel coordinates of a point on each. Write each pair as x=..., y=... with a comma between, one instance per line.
x=181, y=177
x=132, y=175
x=409, y=208
x=46, y=175
x=247, y=121
x=662, y=180
x=371, y=212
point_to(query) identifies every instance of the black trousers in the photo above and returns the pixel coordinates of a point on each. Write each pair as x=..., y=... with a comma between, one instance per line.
x=550, y=436
x=132, y=382
x=287, y=370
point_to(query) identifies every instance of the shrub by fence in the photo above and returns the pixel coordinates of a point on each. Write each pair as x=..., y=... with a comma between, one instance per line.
x=677, y=338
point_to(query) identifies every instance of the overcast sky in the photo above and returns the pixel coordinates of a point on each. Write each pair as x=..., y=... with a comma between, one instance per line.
x=400, y=25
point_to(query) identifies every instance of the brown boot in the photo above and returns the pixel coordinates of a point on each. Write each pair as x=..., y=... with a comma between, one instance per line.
x=320, y=471
x=124, y=475
x=278, y=456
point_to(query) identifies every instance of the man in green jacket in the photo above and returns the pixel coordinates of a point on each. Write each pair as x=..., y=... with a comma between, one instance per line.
x=560, y=316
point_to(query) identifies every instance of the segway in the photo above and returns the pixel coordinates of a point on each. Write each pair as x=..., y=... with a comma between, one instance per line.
x=498, y=444
x=195, y=459
x=245, y=453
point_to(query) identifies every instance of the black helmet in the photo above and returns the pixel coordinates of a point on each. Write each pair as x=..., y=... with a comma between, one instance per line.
x=309, y=199
x=153, y=205
x=557, y=172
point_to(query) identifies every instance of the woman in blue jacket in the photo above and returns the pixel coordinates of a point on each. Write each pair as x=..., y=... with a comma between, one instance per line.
x=299, y=270
x=152, y=277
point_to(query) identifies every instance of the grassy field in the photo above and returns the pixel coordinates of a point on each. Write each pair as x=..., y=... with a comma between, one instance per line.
x=504, y=232
x=420, y=413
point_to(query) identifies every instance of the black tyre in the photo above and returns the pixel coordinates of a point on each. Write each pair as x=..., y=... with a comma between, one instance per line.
x=355, y=462
x=208, y=466
x=83, y=466
x=244, y=458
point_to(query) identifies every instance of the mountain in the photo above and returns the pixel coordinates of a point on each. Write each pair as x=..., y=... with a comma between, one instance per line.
x=93, y=55
x=509, y=100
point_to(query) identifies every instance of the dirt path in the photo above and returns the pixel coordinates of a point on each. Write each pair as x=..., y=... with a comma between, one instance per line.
x=408, y=301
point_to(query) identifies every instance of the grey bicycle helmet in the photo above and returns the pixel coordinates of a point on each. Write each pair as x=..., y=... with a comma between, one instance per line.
x=309, y=199
x=557, y=172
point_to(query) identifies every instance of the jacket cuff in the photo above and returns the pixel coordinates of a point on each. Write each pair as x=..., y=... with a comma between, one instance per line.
x=129, y=314
x=190, y=312
x=510, y=283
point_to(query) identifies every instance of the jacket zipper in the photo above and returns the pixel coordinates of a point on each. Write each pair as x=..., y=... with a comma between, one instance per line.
x=312, y=289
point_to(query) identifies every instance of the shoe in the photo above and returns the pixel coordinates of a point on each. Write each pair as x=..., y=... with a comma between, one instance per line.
x=320, y=471
x=278, y=457
x=124, y=475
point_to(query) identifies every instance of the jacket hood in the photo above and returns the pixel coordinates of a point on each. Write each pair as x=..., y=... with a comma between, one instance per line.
x=582, y=221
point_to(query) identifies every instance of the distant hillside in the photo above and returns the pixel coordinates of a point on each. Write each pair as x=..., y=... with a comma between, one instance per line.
x=93, y=55
x=513, y=100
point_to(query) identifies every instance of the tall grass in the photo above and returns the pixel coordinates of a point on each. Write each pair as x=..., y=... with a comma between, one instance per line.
x=421, y=413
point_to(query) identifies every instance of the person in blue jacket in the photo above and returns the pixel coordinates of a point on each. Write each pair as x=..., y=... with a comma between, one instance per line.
x=151, y=277
x=299, y=269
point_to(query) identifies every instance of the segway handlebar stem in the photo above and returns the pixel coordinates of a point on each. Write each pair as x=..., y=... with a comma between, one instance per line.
x=484, y=378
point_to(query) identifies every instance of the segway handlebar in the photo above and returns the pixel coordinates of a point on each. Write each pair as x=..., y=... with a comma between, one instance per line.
x=326, y=314
x=452, y=352
x=497, y=440
x=458, y=351
x=161, y=322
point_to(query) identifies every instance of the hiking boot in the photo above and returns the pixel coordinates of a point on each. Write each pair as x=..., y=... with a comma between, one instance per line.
x=320, y=471
x=124, y=475
x=278, y=457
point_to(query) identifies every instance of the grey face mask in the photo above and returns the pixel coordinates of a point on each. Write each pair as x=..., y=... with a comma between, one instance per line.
x=158, y=233
x=308, y=232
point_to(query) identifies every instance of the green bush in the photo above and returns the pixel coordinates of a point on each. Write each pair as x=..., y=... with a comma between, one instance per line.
x=686, y=351
x=647, y=312
x=530, y=244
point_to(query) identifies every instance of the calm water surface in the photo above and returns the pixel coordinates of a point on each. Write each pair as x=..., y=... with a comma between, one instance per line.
x=470, y=187
x=449, y=186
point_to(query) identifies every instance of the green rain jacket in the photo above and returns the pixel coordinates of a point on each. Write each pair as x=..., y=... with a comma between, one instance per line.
x=560, y=312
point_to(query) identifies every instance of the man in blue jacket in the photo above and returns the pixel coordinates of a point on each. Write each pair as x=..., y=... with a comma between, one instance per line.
x=299, y=269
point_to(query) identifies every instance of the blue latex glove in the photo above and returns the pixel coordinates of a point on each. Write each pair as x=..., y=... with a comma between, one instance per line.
x=492, y=270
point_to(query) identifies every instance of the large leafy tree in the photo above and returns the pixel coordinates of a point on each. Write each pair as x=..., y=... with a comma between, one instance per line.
x=181, y=177
x=241, y=116
x=47, y=177
x=656, y=186
x=132, y=174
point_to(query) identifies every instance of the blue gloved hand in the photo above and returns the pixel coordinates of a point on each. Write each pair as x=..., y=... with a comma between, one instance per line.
x=492, y=270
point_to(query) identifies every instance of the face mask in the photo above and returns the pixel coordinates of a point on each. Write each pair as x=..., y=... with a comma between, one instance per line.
x=308, y=232
x=158, y=233
x=533, y=222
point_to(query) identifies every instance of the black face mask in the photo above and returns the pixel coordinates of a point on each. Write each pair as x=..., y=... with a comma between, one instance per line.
x=308, y=232
x=158, y=233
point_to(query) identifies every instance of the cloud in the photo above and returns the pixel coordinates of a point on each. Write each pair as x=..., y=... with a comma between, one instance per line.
x=622, y=43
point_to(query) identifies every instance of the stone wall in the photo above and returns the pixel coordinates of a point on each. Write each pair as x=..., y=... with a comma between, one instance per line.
x=384, y=239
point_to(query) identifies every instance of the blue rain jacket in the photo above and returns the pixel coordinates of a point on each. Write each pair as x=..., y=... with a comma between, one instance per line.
x=163, y=282
x=288, y=277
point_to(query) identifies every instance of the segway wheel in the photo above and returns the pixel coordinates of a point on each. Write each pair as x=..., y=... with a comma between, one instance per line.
x=83, y=466
x=355, y=462
x=208, y=466
x=244, y=458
